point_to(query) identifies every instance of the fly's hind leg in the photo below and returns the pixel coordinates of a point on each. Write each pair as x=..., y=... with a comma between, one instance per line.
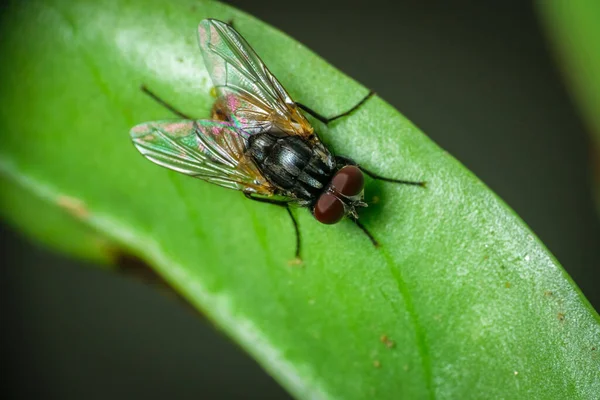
x=286, y=204
x=327, y=120
x=164, y=103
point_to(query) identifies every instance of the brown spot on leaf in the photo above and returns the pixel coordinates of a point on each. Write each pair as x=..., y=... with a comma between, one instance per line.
x=73, y=206
x=507, y=285
x=296, y=262
x=548, y=293
x=561, y=316
x=387, y=341
x=377, y=364
x=133, y=266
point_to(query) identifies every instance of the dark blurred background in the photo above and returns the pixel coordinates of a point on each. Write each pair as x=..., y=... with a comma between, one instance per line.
x=477, y=76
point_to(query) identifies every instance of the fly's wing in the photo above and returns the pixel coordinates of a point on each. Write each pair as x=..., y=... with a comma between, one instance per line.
x=247, y=93
x=209, y=150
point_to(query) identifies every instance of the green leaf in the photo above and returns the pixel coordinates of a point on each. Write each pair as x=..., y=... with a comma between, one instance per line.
x=460, y=301
x=57, y=227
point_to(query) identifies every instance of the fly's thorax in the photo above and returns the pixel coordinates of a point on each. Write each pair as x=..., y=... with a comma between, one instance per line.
x=296, y=166
x=260, y=145
x=342, y=196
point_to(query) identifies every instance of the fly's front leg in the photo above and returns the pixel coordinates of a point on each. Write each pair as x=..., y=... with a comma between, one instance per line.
x=164, y=103
x=327, y=120
x=286, y=204
x=373, y=175
x=366, y=231
x=385, y=179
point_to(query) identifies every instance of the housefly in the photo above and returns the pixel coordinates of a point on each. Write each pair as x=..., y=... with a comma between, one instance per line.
x=259, y=141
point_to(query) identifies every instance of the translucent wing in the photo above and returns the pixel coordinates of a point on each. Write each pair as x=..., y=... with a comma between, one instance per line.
x=209, y=150
x=248, y=94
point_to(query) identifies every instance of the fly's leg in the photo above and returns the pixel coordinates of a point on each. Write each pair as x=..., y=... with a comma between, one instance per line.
x=164, y=103
x=383, y=178
x=326, y=120
x=373, y=175
x=286, y=204
x=366, y=231
x=347, y=161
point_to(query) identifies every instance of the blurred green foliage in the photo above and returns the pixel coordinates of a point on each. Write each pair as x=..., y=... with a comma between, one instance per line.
x=573, y=28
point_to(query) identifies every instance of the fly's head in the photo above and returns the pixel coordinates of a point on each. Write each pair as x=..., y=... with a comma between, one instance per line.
x=342, y=197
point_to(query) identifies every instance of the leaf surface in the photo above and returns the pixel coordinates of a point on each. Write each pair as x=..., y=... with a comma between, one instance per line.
x=460, y=301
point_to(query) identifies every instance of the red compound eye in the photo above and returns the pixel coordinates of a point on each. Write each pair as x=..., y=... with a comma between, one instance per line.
x=329, y=209
x=349, y=181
